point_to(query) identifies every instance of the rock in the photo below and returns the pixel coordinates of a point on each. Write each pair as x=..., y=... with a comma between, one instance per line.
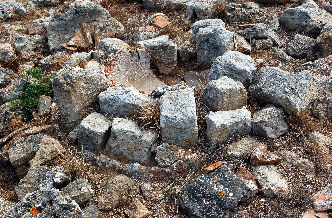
x=117, y=190
x=273, y=1
x=224, y=94
x=46, y=203
x=281, y=55
x=178, y=119
x=11, y=10
x=212, y=42
x=59, y=177
x=93, y=132
x=151, y=191
x=262, y=44
x=44, y=106
x=91, y=211
x=133, y=69
x=186, y=51
x=163, y=53
x=258, y=31
x=137, y=210
x=213, y=23
x=62, y=27
x=109, y=47
x=211, y=195
x=234, y=65
x=306, y=18
x=269, y=122
x=260, y=155
x=82, y=39
x=5, y=205
x=300, y=46
x=6, y=116
x=314, y=214
x=242, y=148
x=7, y=53
x=80, y=191
x=30, y=183
x=291, y=91
x=303, y=165
x=108, y=29
x=270, y=181
x=129, y=141
x=321, y=106
x=78, y=59
x=201, y=9
x=324, y=42
x=46, y=3
x=322, y=201
x=322, y=146
x=248, y=12
x=48, y=150
x=75, y=89
x=223, y=125
x=28, y=47
x=160, y=20
x=13, y=91
x=5, y=77
x=120, y=101
x=23, y=151
x=165, y=155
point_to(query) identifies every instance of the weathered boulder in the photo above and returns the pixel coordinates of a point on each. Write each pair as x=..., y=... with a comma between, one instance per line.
x=291, y=91
x=178, y=119
x=130, y=142
x=321, y=107
x=93, y=132
x=224, y=94
x=11, y=10
x=269, y=122
x=323, y=44
x=234, y=65
x=300, y=46
x=44, y=105
x=248, y=12
x=303, y=165
x=80, y=191
x=117, y=190
x=212, y=194
x=46, y=203
x=7, y=53
x=242, y=149
x=270, y=181
x=223, y=125
x=307, y=18
x=322, y=201
x=163, y=53
x=213, y=23
x=75, y=89
x=121, y=101
x=258, y=31
x=200, y=9
x=62, y=27
x=46, y=3
x=28, y=47
x=108, y=47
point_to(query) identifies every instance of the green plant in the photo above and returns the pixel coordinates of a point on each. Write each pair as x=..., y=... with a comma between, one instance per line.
x=37, y=83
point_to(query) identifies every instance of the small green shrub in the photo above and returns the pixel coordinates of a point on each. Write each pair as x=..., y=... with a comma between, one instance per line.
x=37, y=84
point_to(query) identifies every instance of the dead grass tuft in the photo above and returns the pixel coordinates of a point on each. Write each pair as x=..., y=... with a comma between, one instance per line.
x=149, y=117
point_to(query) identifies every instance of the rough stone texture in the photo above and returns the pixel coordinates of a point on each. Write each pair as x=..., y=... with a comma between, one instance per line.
x=281, y=55
x=324, y=42
x=48, y=150
x=300, y=46
x=5, y=77
x=306, y=18
x=322, y=201
x=51, y=203
x=129, y=141
x=224, y=94
x=201, y=9
x=235, y=65
x=28, y=47
x=23, y=151
x=44, y=106
x=11, y=10
x=59, y=177
x=75, y=89
x=212, y=42
x=223, y=125
x=30, y=183
x=165, y=156
x=291, y=91
x=270, y=181
x=211, y=195
x=6, y=115
x=62, y=27
x=213, y=23
x=178, y=119
x=133, y=69
x=321, y=107
x=80, y=191
x=260, y=155
x=93, y=132
x=163, y=53
x=7, y=53
x=186, y=51
x=121, y=101
x=248, y=12
x=91, y=211
x=110, y=46
x=304, y=165
x=269, y=122
x=137, y=209
x=242, y=148
x=46, y=3
x=258, y=31
x=117, y=190
x=5, y=205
